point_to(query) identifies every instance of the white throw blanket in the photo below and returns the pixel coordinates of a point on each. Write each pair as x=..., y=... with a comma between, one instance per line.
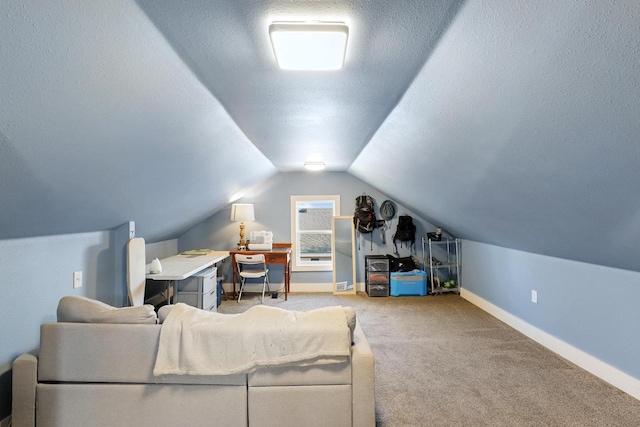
x=198, y=342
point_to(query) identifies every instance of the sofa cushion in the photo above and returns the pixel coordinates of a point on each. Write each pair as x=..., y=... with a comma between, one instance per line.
x=79, y=309
x=337, y=373
x=328, y=405
x=163, y=312
x=109, y=353
x=350, y=314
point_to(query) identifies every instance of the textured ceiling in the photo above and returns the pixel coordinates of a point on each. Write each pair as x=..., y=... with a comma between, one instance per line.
x=293, y=116
x=513, y=123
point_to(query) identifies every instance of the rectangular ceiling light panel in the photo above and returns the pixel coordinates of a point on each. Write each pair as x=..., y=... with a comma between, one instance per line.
x=299, y=46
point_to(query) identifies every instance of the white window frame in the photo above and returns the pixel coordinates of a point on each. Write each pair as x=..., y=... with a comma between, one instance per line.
x=297, y=263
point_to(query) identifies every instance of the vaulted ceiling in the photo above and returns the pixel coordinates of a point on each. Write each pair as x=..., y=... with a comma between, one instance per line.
x=512, y=123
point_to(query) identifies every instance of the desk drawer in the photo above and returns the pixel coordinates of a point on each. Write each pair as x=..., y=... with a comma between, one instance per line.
x=209, y=281
x=210, y=300
x=196, y=299
x=214, y=306
x=203, y=282
x=276, y=258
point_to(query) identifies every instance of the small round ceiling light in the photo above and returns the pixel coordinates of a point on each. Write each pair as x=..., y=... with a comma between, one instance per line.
x=314, y=166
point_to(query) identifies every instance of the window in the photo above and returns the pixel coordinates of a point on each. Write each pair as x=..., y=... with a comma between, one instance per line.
x=311, y=231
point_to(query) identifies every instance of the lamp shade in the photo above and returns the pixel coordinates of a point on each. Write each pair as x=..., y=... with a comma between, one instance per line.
x=241, y=212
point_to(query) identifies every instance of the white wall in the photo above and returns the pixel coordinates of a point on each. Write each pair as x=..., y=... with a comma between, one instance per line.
x=162, y=249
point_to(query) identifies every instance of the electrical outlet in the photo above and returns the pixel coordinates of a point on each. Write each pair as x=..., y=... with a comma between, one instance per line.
x=77, y=279
x=534, y=297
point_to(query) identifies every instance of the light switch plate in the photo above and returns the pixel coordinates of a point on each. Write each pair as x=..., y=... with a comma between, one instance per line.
x=77, y=279
x=534, y=297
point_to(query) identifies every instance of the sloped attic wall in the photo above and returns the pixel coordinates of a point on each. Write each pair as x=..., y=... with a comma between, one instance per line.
x=521, y=130
x=101, y=123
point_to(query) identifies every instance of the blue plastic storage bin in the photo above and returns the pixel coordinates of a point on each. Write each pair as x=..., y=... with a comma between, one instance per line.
x=219, y=291
x=409, y=283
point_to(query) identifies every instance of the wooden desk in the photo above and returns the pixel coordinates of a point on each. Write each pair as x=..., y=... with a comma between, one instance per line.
x=279, y=254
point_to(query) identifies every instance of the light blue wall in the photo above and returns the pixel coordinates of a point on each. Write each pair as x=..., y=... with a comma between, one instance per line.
x=162, y=249
x=34, y=274
x=593, y=308
x=272, y=200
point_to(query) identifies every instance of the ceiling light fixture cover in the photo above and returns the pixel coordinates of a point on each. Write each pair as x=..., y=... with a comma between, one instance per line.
x=314, y=166
x=309, y=46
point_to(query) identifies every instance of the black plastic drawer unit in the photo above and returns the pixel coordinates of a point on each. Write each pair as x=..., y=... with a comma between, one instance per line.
x=376, y=275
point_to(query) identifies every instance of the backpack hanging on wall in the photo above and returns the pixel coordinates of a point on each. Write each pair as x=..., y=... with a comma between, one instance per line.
x=405, y=232
x=364, y=217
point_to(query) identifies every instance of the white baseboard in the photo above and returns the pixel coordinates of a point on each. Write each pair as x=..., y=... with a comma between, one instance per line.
x=597, y=367
x=319, y=287
x=295, y=287
x=312, y=287
x=6, y=422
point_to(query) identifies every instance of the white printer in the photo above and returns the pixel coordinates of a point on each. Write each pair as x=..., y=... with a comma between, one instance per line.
x=260, y=240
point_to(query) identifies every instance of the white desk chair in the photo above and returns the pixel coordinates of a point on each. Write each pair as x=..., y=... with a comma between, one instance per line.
x=257, y=270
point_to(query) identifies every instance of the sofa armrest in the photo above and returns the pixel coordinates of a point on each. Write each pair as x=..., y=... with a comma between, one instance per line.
x=25, y=380
x=362, y=381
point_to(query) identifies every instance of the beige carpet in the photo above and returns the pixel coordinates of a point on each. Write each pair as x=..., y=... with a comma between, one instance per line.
x=441, y=361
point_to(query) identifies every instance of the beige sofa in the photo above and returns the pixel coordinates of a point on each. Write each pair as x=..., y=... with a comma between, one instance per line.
x=100, y=374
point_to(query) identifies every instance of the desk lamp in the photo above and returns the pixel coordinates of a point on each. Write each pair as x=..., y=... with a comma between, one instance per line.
x=241, y=212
